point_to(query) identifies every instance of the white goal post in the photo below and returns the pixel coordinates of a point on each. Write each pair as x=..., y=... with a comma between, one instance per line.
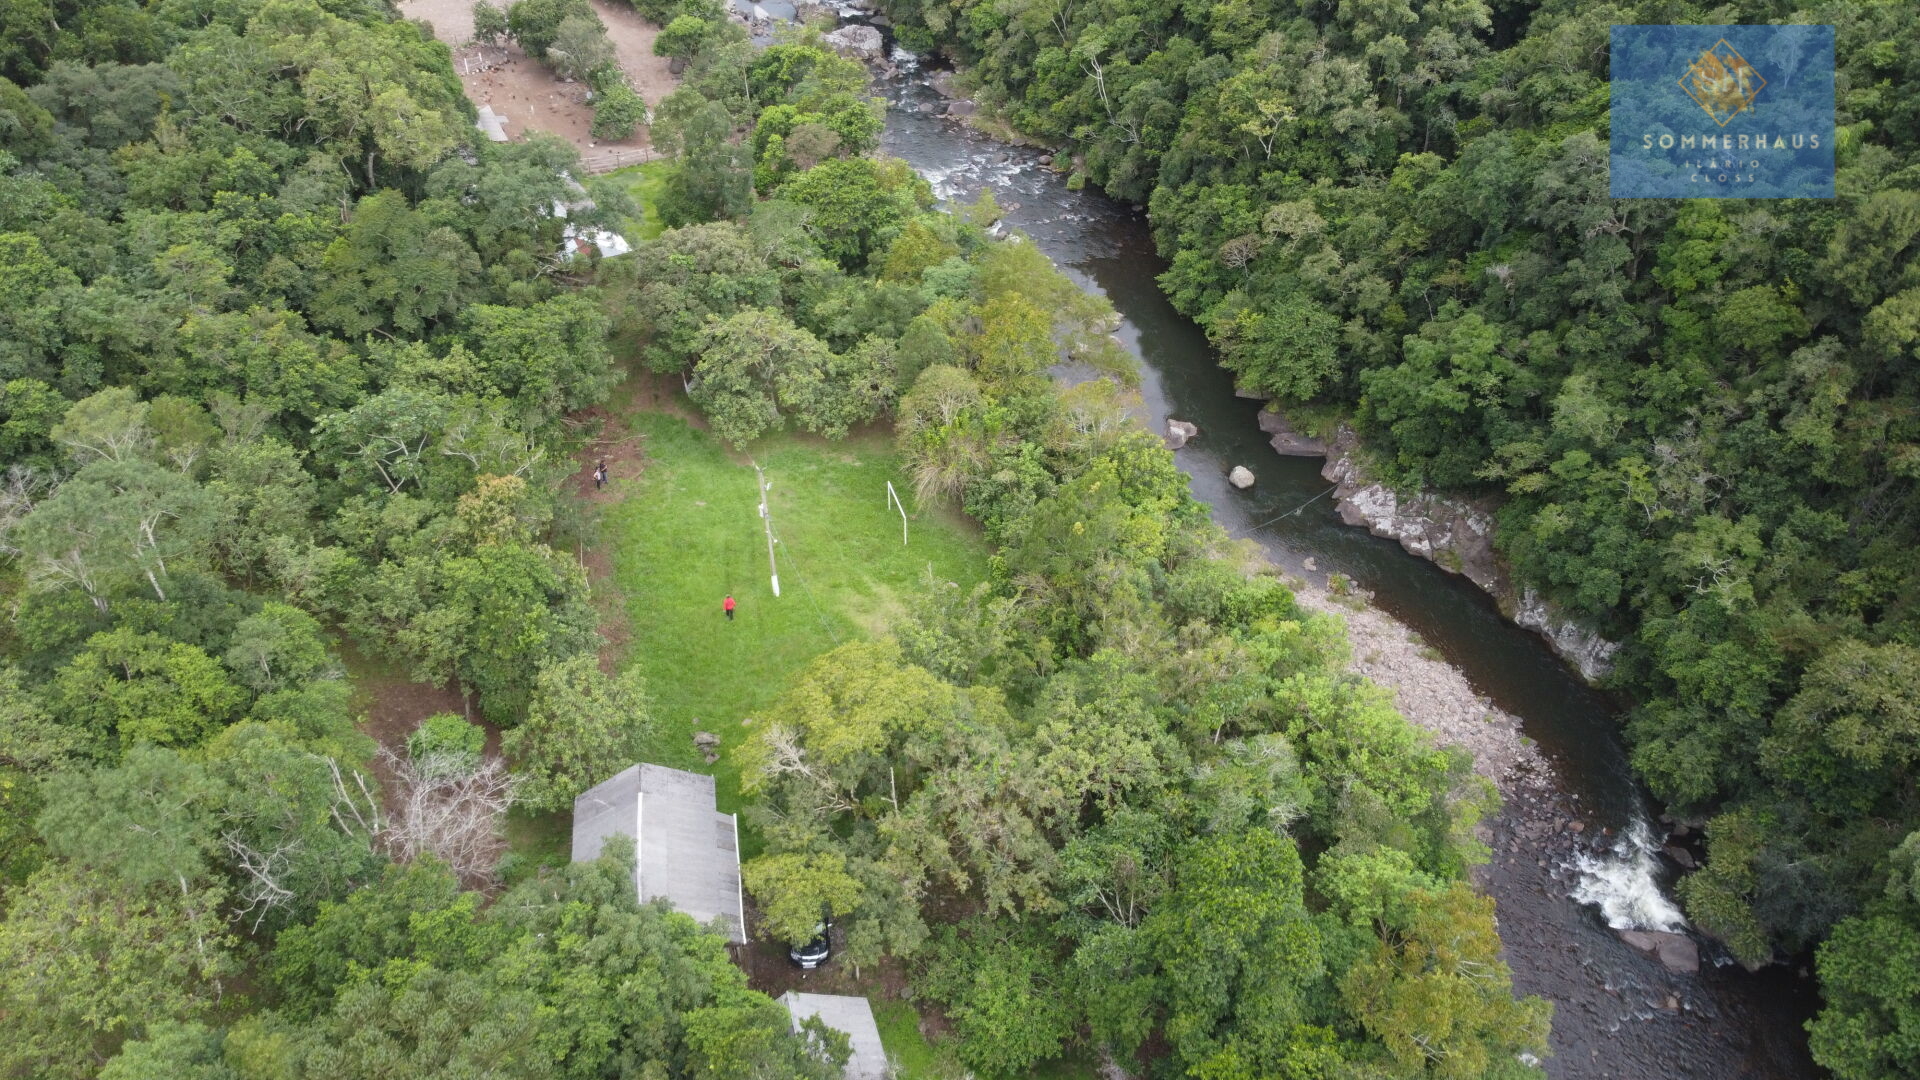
x=893, y=500
x=766, y=519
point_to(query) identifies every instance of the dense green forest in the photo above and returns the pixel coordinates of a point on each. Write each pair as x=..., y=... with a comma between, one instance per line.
x=1698, y=418
x=290, y=361
x=287, y=357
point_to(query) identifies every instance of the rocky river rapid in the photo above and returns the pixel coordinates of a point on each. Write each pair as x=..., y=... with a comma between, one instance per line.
x=1582, y=862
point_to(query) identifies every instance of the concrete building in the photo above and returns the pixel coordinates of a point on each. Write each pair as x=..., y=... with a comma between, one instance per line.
x=850, y=1015
x=492, y=124
x=685, y=850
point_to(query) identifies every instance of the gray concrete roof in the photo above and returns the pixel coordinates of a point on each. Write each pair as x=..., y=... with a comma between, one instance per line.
x=851, y=1015
x=686, y=851
x=492, y=123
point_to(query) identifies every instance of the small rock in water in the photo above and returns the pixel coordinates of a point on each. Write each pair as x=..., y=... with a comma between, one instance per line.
x=1046, y=159
x=1178, y=432
x=1241, y=477
x=1310, y=566
x=1577, y=826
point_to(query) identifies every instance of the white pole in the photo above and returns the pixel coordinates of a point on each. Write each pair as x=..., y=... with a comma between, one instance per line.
x=766, y=519
x=893, y=498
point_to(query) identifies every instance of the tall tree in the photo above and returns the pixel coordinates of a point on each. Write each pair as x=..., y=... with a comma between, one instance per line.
x=86, y=961
x=581, y=728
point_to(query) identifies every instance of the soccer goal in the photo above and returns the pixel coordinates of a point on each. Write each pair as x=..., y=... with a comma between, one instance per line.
x=766, y=519
x=893, y=500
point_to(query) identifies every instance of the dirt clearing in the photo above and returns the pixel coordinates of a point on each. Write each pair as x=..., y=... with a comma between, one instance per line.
x=530, y=97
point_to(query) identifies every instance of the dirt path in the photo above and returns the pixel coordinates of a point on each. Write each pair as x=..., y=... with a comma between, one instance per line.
x=528, y=95
x=624, y=455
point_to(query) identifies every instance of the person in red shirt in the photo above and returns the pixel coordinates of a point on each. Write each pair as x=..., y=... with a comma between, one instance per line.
x=727, y=606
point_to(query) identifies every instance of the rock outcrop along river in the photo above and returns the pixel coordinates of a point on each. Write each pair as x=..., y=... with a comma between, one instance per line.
x=1578, y=855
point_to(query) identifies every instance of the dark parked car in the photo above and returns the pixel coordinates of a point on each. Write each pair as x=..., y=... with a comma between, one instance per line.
x=816, y=950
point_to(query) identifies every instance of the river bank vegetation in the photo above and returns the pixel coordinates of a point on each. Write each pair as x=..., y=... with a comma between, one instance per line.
x=1120, y=791
x=1698, y=418
x=292, y=357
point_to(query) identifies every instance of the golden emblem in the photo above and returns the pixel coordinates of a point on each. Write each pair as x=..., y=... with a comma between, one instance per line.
x=1722, y=82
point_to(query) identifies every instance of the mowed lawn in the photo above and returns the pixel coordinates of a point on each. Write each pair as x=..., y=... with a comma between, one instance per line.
x=690, y=533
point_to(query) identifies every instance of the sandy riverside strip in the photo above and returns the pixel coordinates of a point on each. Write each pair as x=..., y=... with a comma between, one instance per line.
x=1433, y=694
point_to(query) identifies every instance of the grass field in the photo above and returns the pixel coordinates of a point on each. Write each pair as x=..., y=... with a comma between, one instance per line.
x=691, y=533
x=645, y=183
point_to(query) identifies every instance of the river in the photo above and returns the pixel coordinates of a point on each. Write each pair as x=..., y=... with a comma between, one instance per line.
x=1618, y=1013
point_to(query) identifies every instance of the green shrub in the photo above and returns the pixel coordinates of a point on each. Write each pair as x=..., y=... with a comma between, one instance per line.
x=489, y=23
x=535, y=24
x=658, y=12
x=446, y=744
x=682, y=37
x=617, y=110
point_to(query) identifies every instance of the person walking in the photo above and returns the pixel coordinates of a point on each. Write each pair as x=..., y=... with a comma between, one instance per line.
x=600, y=475
x=727, y=606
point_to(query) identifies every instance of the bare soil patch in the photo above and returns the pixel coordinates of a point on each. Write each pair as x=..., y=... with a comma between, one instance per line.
x=531, y=97
x=393, y=705
x=770, y=971
x=663, y=393
x=624, y=454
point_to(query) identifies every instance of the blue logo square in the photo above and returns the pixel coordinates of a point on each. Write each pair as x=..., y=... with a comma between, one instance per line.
x=1722, y=112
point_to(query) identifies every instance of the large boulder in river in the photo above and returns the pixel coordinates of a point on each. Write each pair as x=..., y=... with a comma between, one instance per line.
x=943, y=84
x=858, y=42
x=1288, y=441
x=1678, y=951
x=1241, y=477
x=1178, y=432
x=962, y=107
